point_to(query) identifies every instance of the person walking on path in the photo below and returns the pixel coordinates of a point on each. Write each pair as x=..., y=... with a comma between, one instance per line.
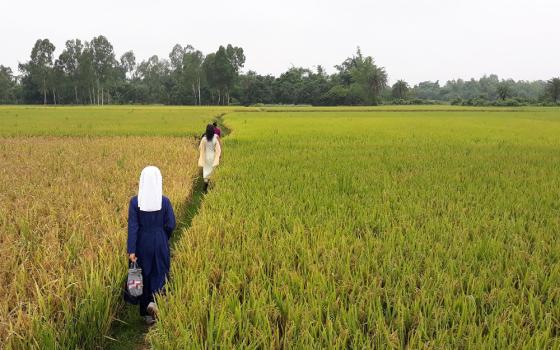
x=217, y=130
x=210, y=151
x=151, y=221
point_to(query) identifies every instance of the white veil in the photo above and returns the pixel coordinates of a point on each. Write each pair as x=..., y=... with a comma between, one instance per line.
x=150, y=189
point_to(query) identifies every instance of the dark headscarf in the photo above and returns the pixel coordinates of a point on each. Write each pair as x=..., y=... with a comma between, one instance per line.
x=209, y=132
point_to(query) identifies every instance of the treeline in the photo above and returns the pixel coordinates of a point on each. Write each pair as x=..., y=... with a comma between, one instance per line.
x=488, y=90
x=89, y=72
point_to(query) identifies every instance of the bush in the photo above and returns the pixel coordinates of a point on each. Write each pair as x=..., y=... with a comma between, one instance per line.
x=508, y=102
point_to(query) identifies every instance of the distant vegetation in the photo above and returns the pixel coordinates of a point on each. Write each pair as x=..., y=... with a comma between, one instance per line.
x=89, y=72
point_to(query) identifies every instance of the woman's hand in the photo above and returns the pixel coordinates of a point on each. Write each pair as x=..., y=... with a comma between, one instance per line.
x=132, y=257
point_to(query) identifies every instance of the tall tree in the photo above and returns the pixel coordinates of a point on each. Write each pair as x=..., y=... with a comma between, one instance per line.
x=553, y=89
x=7, y=85
x=57, y=82
x=103, y=63
x=210, y=74
x=503, y=90
x=86, y=73
x=176, y=57
x=155, y=76
x=236, y=58
x=180, y=90
x=400, y=89
x=369, y=77
x=222, y=70
x=40, y=66
x=193, y=73
x=128, y=63
x=69, y=62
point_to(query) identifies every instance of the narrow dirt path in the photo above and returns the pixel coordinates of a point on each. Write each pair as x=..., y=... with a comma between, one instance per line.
x=128, y=330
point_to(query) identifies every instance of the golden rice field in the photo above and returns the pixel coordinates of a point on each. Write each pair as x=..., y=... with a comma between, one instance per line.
x=63, y=212
x=370, y=227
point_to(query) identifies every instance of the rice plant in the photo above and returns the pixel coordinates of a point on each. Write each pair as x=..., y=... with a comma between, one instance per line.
x=427, y=229
x=63, y=212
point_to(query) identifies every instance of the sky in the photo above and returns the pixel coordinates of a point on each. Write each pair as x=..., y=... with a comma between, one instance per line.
x=415, y=40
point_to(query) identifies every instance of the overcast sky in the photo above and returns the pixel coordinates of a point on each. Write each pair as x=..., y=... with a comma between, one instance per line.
x=415, y=40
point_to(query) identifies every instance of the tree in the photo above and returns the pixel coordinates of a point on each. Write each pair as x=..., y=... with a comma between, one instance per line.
x=56, y=81
x=400, y=90
x=128, y=63
x=179, y=90
x=155, y=77
x=210, y=74
x=553, y=89
x=336, y=96
x=288, y=87
x=344, y=76
x=236, y=57
x=103, y=59
x=428, y=90
x=224, y=75
x=87, y=73
x=7, y=85
x=69, y=62
x=487, y=86
x=193, y=73
x=221, y=70
x=254, y=88
x=176, y=57
x=219, y=73
x=369, y=77
x=503, y=90
x=40, y=66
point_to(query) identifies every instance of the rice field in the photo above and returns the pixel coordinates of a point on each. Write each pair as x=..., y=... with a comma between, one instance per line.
x=106, y=121
x=427, y=229
x=63, y=212
x=369, y=227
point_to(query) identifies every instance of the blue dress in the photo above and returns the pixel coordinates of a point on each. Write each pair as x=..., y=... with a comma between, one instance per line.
x=148, y=238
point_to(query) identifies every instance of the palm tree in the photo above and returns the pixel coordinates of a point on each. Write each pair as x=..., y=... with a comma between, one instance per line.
x=369, y=76
x=400, y=89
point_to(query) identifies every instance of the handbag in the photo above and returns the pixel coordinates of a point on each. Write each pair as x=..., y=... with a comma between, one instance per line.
x=134, y=284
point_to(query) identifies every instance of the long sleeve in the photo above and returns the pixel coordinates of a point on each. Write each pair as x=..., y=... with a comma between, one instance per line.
x=201, y=150
x=133, y=227
x=169, y=219
x=217, y=153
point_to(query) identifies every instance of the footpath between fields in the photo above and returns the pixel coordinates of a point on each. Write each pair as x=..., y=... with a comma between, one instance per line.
x=128, y=330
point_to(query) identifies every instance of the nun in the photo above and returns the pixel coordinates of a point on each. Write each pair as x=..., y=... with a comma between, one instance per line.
x=210, y=151
x=151, y=221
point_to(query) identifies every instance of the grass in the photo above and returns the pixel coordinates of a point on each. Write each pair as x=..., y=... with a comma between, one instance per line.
x=427, y=229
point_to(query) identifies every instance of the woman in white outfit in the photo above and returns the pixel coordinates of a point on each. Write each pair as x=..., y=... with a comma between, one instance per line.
x=210, y=152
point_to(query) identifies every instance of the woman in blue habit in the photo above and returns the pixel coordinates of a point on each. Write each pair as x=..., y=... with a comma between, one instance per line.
x=150, y=223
